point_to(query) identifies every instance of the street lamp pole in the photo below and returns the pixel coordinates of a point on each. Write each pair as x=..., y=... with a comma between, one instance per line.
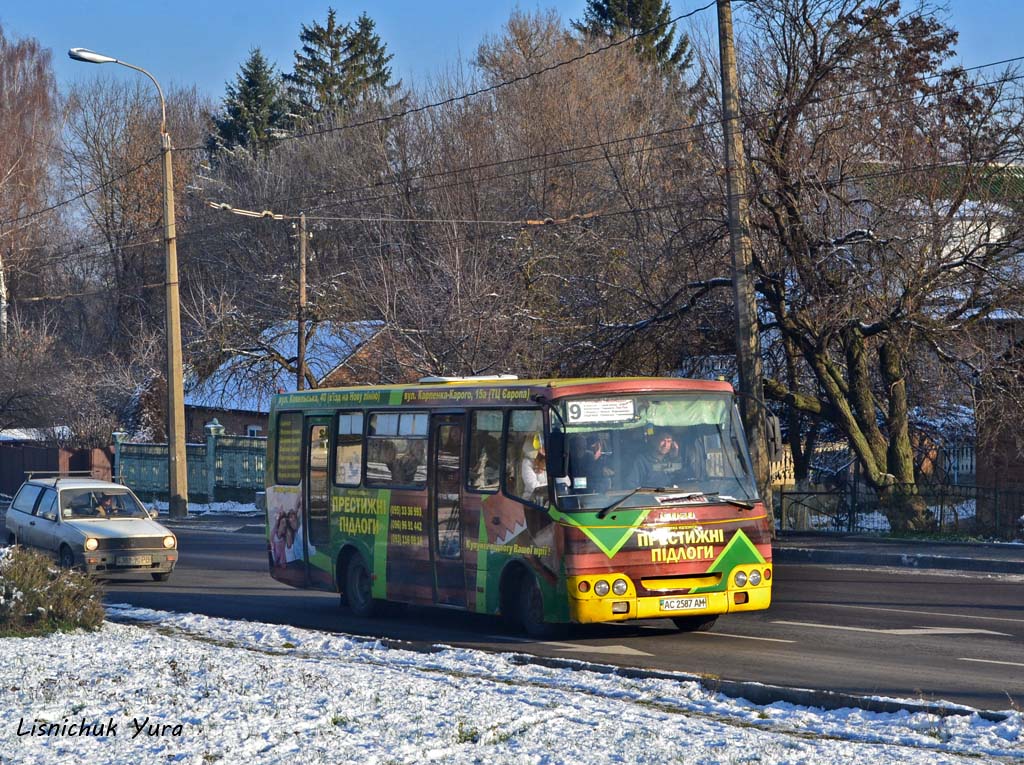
x=177, y=467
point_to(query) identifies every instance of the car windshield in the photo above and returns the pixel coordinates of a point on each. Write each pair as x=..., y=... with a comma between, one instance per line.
x=110, y=504
x=649, y=449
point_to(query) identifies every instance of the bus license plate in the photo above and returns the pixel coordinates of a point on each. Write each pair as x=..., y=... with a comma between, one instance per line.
x=135, y=560
x=683, y=604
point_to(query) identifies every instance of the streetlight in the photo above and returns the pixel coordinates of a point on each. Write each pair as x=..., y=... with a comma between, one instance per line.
x=177, y=471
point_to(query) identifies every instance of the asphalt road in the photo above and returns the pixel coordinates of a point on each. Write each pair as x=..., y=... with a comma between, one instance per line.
x=925, y=635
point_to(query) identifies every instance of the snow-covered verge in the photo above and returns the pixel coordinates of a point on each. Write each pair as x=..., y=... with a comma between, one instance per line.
x=182, y=688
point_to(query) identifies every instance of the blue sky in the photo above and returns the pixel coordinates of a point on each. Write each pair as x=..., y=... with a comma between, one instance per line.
x=203, y=42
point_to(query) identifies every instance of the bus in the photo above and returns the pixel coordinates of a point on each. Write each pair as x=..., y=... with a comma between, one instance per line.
x=544, y=502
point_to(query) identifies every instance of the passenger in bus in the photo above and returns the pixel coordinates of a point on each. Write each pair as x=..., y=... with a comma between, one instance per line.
x=657, y=464
x=591, y=472
x=405, y=465
x=485, y=471
x=533, y=468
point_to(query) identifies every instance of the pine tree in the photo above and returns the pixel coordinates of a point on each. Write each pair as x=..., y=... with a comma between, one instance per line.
x=366, y=62
x=255, y=112
x=614, y=18
x=337, y=66
x=318, y=81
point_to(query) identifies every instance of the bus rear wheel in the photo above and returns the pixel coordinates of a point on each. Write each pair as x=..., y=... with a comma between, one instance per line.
x=695, y=623
x=359, y=587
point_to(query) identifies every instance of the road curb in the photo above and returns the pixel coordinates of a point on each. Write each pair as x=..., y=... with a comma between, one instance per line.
x=897, y=560
x=763, y=695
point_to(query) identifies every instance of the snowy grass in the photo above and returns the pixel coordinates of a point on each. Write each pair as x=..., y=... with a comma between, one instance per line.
x=195, y=689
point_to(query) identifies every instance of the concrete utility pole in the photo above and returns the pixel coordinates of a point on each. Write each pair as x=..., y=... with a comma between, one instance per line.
x=177, y=467
x=748, y=344
x=300, y=374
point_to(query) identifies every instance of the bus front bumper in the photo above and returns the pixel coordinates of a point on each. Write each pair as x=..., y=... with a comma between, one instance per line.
x=590, y=608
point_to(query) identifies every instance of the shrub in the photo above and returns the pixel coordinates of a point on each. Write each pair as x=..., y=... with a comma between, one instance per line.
x=37, y=597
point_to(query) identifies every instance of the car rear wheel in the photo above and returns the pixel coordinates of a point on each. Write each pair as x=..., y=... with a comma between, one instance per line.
x=67, y=558
x=163, y=576
x=695, y=623
x=359, y=587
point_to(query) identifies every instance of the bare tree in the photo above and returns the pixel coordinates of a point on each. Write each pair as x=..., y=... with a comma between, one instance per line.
x=883, y=227
x=111, y=157
x=27, y=99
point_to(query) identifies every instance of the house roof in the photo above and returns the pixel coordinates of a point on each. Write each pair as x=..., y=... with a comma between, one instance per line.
x=247, y=381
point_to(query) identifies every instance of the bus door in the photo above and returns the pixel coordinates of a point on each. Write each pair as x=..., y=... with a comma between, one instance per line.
x=446, y=508
x=316, y=494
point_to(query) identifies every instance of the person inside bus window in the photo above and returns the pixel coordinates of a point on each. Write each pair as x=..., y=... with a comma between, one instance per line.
x=484, y=474
x=405, y=465
x=532, y=467
x=590, y=469
x=657, y=463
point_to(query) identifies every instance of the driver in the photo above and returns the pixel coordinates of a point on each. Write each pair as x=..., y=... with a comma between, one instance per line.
x=656, y=464
x=106, y=508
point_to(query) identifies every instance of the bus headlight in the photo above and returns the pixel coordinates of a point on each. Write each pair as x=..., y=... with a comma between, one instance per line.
x=169, y=542
x=91, y=544
x=740, y=579
x=619, y=586
x=602, y=588
x=755, y=578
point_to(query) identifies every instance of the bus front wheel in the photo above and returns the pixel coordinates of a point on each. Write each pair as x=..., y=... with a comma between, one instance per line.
x=359, y=587
x=531, y=610
x=695, y=623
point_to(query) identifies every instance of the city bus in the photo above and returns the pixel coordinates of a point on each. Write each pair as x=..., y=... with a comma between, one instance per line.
x=544, y=502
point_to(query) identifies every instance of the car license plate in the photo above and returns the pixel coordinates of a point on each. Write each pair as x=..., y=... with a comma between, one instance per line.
x=683, y=604
x=135, y=560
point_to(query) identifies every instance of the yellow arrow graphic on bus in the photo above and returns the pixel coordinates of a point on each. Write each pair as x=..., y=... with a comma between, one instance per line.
x=608, y=534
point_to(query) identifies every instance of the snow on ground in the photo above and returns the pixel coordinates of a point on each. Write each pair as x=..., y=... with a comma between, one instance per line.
x=212, y=508
x=182, y=688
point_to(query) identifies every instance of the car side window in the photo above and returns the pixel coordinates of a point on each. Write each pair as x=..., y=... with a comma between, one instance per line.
x=26, y=498
x=47, y=507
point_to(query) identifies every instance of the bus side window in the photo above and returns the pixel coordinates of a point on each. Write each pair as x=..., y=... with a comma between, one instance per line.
x=396, y=449
x=484, y=451
x=525, y=457
x=348, y=465
x=288, y=453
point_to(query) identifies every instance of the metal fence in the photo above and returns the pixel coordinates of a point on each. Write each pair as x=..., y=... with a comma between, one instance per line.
x=952, y=509
x=222, y=469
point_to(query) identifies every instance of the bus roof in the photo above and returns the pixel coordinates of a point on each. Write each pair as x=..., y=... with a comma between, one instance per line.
x=483, y=391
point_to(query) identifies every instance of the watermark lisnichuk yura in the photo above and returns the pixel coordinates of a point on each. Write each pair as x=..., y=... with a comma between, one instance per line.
x=69, y=728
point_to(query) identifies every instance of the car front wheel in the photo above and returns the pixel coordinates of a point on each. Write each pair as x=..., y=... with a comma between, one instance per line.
x=67, y=558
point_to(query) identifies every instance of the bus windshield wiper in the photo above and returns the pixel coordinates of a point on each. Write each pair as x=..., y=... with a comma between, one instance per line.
x=710, y=495
x=734, y=501
x=617, y=503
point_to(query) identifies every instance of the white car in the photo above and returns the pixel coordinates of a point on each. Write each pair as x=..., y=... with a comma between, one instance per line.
x=97, y=526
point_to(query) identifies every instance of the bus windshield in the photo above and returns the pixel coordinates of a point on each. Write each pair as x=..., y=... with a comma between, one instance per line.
x=618, y=450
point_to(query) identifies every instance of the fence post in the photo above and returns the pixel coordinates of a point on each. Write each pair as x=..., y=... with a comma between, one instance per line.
x=118, y=436
x=213, y=431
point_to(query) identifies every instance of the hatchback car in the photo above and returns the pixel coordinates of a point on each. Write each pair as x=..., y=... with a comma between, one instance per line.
x=97, y=526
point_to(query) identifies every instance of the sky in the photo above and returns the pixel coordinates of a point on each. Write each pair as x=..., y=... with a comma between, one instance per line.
x=183, y=688
x=186, y=42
